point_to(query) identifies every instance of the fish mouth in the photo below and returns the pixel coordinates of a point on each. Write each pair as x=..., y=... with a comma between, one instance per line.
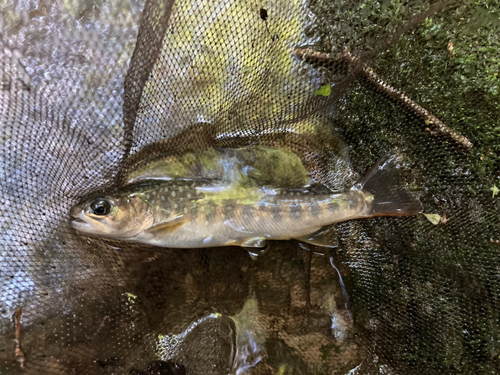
x=77, y=219
x=79, y=223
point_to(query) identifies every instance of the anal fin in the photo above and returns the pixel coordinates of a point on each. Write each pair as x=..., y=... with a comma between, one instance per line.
x=324, y=237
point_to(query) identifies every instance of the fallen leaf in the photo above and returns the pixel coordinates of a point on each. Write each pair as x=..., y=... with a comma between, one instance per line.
x=323, y=90
x=495, y=190
x=433, y=218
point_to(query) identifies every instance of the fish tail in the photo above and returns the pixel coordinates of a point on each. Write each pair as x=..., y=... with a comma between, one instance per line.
x=388, y=197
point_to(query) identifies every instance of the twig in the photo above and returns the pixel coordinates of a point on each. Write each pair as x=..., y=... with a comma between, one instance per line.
x=435, y=126
x=17, y=327
x=106, y=318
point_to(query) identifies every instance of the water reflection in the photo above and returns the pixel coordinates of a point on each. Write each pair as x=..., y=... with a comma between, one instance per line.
x=235, y=343
x=342, y=287
x=270, y=330
x=250, y=337
x=248, y=352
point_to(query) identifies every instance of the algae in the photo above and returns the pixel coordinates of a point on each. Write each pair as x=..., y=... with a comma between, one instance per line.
x=251, y=166
x=242, y=193
x=274, y=167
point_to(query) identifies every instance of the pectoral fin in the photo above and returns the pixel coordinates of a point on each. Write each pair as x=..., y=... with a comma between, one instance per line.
x=256, y=246
x=167, y=227
x=324, y=237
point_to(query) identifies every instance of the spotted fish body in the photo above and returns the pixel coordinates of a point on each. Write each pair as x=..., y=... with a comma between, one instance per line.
x=193, y=214
x=211, y=220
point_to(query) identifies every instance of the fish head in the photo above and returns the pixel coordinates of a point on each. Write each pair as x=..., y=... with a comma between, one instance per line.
x=112, y=216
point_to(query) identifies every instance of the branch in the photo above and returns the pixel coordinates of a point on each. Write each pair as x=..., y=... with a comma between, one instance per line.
x=435, y=126
x=17, y=327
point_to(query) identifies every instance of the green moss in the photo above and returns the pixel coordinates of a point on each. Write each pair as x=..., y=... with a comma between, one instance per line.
x=449, y=64
x=448, y=59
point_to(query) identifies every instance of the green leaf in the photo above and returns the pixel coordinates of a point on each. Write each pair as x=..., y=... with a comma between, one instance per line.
x=433, y=218
x=495, y=190
x=323, y=90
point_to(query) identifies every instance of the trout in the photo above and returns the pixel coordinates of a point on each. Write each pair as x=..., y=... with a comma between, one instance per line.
x=200, y=213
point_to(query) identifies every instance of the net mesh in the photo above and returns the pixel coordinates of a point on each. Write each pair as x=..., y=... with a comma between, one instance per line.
x=93, y=91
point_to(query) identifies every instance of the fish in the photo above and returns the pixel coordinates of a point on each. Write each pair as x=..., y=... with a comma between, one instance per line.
x=202, y=213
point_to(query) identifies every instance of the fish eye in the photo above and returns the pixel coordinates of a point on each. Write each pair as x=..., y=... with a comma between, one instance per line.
x=100, y=207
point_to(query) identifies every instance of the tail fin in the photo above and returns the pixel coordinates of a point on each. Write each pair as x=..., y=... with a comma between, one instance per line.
x=389, y=198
